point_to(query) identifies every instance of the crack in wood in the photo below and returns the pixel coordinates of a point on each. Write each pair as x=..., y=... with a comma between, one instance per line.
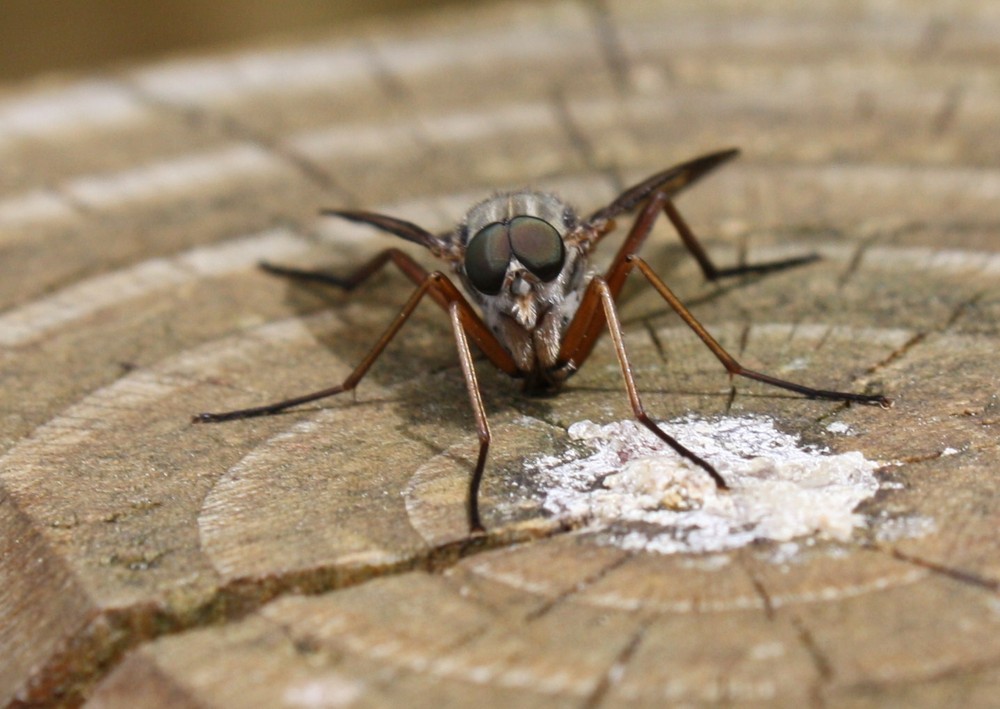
x=822, y=340
x=820, y=661
x=744, y=340
x=398, y=94
x=854, y=263
x=577, y=588
x=961, y=575
x=966, y=671
x=465, y=639
x=761, y=590
x=932, y=38
x=109, y=635
x=655, y=339
x=238, y=130
x=391, y=86
x=612, y=49
x=943, y=120
x=616, y=670
x=743, y=254
x=919, y=337
x=581, y=144
x=959, y=311
x=897, y=353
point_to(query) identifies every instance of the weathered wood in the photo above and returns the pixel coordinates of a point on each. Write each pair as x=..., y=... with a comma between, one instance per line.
x=318, y=558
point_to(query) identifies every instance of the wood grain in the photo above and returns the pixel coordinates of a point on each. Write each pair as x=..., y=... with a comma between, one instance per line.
x=319, y=558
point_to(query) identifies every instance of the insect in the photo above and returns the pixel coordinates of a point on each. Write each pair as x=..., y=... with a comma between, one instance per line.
x=522, y=258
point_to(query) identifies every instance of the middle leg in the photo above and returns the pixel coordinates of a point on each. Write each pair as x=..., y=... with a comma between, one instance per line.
x=708, y=267
x=617, y=337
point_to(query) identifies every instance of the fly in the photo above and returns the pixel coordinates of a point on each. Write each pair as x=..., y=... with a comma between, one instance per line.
x=532, y=304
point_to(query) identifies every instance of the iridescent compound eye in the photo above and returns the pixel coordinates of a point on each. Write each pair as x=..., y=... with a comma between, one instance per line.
x=537, y=245
x=486, y=258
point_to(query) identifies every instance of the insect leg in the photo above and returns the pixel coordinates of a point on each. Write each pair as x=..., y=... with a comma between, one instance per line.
x=586, y=328
x=466, y=325
x=661, y=188
x=403, y=261
x=731, y=365
x=583, y=333
x=349, y=383
x=701, y=256
x=445, y=294
x=615, y=328
x=476, y=399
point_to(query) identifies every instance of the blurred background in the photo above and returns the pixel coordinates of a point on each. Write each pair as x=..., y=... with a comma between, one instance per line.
x=69, y=35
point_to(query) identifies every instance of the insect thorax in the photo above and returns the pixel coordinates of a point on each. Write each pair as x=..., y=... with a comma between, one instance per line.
x=507, y=205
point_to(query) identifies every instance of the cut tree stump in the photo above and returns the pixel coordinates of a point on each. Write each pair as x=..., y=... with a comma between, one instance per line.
x=320, y=558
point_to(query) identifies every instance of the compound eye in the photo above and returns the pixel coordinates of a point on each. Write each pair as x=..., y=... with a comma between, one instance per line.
x=486, y=258
x=538, y=246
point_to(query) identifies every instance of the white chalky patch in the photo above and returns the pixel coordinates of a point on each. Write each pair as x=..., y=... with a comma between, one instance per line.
x=326, y=692
x=644, y=496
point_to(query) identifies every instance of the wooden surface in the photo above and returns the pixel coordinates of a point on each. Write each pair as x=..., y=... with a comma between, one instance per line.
x=317, y=559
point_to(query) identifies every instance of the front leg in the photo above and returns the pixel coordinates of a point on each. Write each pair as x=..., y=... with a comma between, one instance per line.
x=466, y=325
x=443, y=291
x=598, y=289
x=414, y=271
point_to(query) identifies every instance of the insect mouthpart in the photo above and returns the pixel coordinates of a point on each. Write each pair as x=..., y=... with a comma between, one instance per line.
x=520, y=285
x=534, y=242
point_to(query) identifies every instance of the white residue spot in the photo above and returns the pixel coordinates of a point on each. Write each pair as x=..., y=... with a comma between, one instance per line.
x=327, y=692
x=839, y=427
x=796, y=364
x=642, y=495
x=908, y=527
x=784, y=553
